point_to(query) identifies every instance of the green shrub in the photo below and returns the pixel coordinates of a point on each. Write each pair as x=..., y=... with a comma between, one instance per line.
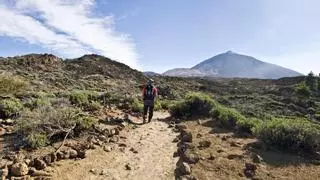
x=231, y=118
x=227, y=117
x=164, y=104
x=290, y=134
x=85, y=122
x=12, y=85
x=48, y=121
x=79, y=98
x=157, y=105
x=248, y=124
x=33, y=103
x=10, y=107
x=303, y=91
x=93, y=106
x=193, y=105
x=136, y=105
x=36, y=140
x=111, y=98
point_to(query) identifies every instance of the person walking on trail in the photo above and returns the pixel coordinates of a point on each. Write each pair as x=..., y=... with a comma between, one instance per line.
x=149, y=94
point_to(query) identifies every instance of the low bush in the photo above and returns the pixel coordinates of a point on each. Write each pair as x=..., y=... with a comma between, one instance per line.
x=93, y=106
x=36, y=140
x=164, y=104
x=193, y=105
x=290, y=134
x=227, y=117
x=248, y=125
x=12, y=85
x=79, y=98
x=33, y=103
x=52, y=122
x=136, y=105
x=85, y=122
x=10, y=107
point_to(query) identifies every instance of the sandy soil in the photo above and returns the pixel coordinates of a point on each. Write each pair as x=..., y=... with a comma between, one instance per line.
x=153, y=159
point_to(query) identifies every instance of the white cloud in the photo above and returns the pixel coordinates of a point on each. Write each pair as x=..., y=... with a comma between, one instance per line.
x=68, y=27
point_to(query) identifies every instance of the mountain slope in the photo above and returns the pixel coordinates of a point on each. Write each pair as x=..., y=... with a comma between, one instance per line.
x=184, y=72
x=46, y=71
x=231, y=64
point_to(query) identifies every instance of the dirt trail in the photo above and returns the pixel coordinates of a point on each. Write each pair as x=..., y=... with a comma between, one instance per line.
x=153, y=160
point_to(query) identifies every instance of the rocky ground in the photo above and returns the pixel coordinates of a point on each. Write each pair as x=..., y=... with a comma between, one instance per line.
x=161, y=149
x=142, y=152
x=216, y=153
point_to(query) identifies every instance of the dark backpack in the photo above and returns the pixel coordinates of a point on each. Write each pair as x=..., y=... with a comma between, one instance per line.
x=149, y=93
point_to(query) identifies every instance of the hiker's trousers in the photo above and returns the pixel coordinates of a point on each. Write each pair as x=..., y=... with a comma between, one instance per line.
x=148, y=106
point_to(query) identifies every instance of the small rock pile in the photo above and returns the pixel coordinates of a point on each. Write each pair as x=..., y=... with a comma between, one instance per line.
x=186, y=152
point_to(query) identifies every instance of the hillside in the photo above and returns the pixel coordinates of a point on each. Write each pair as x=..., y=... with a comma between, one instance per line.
x=90, y=72
x=229, y=65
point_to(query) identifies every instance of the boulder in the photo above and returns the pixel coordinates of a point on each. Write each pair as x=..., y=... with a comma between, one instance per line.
x=39, y=164
x=250, y=170
x=47, y=159
x=114, y=139
x=184, y=168
x=250, y=166
x=190, y=157
x=92, y=146
x=54, y=157
x=60, y=155
x=66, y=154
x=73, y=153
x=82, y=154
x=257, y=159
x=180, y=126
x=107, y=148
x=186, y=136
x=19, y=169
x=103, y=138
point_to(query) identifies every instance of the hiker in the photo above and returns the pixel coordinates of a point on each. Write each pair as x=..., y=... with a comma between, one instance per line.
x=149, y=95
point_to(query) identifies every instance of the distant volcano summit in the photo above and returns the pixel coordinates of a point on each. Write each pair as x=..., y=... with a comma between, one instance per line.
x=231, y=65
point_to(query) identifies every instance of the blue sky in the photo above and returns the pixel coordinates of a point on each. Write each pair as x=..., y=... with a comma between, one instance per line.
x=160, y=35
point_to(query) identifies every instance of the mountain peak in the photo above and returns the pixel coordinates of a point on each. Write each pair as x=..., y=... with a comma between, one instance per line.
x=231, y=64
x=229, y=52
